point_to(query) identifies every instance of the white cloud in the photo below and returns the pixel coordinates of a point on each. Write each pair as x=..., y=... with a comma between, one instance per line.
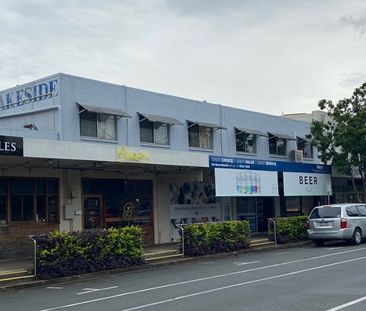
x=268, y=56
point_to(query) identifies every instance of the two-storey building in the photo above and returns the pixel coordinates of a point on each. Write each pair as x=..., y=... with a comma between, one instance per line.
x=78, y=154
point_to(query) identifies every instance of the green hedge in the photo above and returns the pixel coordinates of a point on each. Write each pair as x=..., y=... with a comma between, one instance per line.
x=63, y=253
x=202, y=239
x=290, y=229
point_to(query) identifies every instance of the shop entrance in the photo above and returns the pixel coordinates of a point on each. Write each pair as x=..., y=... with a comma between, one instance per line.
x=256, y=211
x=92, y=211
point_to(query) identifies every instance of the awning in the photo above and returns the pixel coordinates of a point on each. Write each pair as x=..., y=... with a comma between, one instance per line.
x=281, y=136
x=161, y=119
x=204, y=124
x=105, y=110
x=250, y=131
x=303, y=139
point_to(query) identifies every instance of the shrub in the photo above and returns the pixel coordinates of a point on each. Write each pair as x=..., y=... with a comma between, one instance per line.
x=202, y=239
x=64, y=254
x=291, y=229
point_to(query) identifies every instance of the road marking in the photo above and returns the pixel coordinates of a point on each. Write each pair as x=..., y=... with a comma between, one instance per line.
x=201, y=279
x=282, y=253
x=244, y=283
x=245, y=263
x=93, y=290
x=347, y=304
x=54, y=287
x=333, y=248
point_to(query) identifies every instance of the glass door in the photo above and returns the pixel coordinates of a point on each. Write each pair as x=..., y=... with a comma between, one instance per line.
x=92, y=212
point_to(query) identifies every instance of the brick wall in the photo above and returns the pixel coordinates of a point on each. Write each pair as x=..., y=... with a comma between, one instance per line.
x=15, y=241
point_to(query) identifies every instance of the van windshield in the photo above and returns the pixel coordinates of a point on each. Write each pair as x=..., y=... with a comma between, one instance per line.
x=326, y=212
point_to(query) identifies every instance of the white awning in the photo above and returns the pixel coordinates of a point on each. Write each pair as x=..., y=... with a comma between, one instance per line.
x=105, y=110
x=281, y=136
x=251, y=131
x=204, y=124
x=161, y=119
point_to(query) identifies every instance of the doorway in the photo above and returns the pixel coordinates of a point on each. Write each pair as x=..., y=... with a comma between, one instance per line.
x=93, y=211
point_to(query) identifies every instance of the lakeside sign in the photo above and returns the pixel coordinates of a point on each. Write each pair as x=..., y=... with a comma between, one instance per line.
x=12, y=146
x=30, y=94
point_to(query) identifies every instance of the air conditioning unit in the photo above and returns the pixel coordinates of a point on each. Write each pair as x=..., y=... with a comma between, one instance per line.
x=297, y=155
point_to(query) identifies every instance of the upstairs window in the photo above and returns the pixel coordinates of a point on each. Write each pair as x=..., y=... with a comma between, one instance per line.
x=306, y=147
x=278, y=144
x=156, y=129
x=200, y=136
x=246, y=140
x=98, y=125
x=99, y=122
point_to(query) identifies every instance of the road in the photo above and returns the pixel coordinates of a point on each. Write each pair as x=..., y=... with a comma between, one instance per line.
x=328, y=278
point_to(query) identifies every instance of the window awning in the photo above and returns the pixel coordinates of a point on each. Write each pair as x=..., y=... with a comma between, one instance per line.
x=281, y=136
x=204, y=124
x=98, y=109
x=161, y=119
x=303, y=139
x=250, y=131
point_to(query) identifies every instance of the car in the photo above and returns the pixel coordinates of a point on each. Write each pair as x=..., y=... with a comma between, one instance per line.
x=346, y=221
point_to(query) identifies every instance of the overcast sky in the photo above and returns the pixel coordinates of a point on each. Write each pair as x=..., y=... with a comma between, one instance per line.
x=270, y=56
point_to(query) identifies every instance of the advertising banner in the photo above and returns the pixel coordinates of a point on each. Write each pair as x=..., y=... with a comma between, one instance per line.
x=306, y=184
x=245, y=183
x=192, y=202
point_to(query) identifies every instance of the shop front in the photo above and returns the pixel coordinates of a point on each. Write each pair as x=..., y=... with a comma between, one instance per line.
x=117, y=203
x=265, y=189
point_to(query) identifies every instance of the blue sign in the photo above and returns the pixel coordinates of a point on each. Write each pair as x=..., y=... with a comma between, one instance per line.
x=267, y=165
x=30, y=94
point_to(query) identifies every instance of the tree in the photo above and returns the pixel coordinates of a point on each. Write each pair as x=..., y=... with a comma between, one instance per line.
x=342, y=140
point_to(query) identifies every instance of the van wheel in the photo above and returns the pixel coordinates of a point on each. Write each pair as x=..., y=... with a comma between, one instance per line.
x=318, y=242
x=357, y=237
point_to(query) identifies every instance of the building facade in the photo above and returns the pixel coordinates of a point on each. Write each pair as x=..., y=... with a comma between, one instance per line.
x=79, y=154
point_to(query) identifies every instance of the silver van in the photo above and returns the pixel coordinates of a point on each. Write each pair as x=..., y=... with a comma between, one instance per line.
x=346, y=221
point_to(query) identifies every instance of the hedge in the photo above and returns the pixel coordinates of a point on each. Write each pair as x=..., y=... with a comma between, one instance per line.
x=210, y=238
x=64, y=254
x=289, y=229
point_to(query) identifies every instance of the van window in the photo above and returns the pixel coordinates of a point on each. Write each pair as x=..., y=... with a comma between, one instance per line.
x=352, y=211
x=326, y=212
x=362, y=209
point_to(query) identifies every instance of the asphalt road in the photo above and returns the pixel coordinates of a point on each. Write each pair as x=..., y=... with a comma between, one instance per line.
x=328, y=278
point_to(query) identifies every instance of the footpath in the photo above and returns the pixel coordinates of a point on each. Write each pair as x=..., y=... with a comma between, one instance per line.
x=16, y=273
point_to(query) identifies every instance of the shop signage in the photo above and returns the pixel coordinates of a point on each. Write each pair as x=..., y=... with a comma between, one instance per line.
x=27, y=95
x=306, y=184
x=245, y=183
x=125, y=154
x=266, y=165
x=11, y=146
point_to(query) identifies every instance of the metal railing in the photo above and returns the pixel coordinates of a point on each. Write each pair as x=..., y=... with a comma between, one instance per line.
x=34, y=254
x=272, y=226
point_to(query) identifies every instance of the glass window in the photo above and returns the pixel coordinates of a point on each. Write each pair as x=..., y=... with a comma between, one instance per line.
x=200, y=136
x=245, y=142
x=277, y=146
x=362, y=209
x=306, y=148
x=352, y=211
x=30, y=200
x=153, y=132
x=326, y=212
x=98, y=125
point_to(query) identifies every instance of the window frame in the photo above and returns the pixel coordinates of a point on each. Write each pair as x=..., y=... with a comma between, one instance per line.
x=154, y=128
x=303, y=144
x=272, y=138
x=238, y=134
x=33, y=194
x=97, y=119
x=199, y=129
